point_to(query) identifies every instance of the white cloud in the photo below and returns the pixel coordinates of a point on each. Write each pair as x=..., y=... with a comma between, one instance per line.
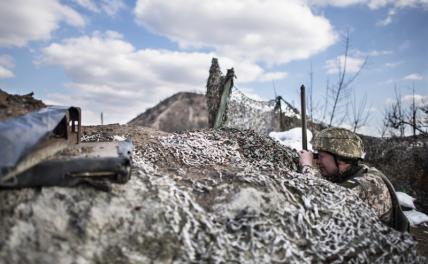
x=420, y=100
x=353, y=64
x=112, y=7
x=392, y=64
x=6, y=64
x=392, y=5
x=5, y=73
x=109, y=75
x=372, y=4
x=337, y=3
x=22, y=21
x=414, y=77
x=88, y=4
x=271, y=31
x=386, y=21
x=372, y=53
x=272, y=76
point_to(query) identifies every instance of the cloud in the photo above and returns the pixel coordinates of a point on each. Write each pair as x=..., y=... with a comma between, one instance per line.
x=270, y=31
x=110, y=7
x=5, y=73
x=392, y=5
x=420, y=100
x=6, y=64
x=392, y=64
x=414, y=77
x=372, y=4
x=353, y=64
x=110, y=75
x=372, y=53
x=272, y=76
x=23, y=21
x=386, y=21
x=88, y=4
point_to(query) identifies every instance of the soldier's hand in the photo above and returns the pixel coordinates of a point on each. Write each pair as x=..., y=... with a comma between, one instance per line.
x=306, y=158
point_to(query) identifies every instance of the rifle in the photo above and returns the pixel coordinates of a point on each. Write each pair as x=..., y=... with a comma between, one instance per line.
x=303, y=114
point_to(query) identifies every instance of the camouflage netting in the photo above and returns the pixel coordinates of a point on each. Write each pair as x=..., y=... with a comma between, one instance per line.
x=217, y=196
x=245, y=113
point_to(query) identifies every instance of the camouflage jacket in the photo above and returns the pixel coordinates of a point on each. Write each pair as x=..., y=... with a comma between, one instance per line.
x=370, y=187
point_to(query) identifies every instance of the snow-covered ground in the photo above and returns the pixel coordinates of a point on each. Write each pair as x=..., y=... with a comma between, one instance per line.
x=415, y=217
x=293, y=139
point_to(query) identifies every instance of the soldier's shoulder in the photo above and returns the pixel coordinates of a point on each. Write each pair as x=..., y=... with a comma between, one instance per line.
x=372, y=177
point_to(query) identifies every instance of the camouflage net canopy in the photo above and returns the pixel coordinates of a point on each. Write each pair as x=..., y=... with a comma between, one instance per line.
x=245, y=113
x=214, y=196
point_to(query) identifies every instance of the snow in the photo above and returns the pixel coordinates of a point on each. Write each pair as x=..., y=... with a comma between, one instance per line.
x=118, y=138
x=292, y=138
x=415, y=217
x=405, y=200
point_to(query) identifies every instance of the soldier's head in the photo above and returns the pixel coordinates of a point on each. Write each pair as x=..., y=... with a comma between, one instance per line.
x=338, y=148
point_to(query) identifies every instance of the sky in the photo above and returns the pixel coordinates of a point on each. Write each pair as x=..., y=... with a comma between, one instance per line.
x=122, y=57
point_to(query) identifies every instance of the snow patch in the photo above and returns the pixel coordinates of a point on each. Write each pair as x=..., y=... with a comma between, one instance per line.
x=292, y=138
x=415, y=217
x=405, y=200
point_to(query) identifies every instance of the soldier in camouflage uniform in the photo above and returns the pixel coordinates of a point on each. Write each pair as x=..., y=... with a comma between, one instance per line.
x=339, y=154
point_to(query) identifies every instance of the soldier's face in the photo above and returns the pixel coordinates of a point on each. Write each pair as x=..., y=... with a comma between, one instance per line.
x=326, y=164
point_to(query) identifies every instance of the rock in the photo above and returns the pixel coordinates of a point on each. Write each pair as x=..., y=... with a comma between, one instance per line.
x=202, y=196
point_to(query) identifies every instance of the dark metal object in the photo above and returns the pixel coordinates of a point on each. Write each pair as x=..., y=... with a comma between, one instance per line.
x=303, y=114
x=27, y=140
x=95, y=164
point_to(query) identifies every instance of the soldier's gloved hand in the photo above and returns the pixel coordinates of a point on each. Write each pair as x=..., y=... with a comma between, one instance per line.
x=306, y=158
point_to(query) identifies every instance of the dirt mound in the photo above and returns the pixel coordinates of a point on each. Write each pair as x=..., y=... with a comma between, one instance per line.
x=182, y=111
x=16, y=105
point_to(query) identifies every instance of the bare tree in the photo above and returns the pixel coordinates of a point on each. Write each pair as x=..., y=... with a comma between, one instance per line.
x=384, y=126
x=339, y=92
x=424, y=121
x=360, y=114
x=413, y=112
x=395, y=115
x=398, y=118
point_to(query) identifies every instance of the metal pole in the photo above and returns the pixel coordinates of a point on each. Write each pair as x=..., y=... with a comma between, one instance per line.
x=303, y=113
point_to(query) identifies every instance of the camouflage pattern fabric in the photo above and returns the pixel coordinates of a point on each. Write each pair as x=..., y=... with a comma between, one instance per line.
x=214, y=91
x=245, y=113
x=339, y=141
x=370, y=188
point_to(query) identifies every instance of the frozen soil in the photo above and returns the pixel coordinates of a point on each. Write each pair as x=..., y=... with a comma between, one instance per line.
x=15, y=105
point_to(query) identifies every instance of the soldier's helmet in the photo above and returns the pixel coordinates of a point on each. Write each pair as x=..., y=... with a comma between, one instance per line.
x=340, y=142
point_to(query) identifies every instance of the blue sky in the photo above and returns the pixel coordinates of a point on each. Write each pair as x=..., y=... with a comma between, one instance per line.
x=122, y=57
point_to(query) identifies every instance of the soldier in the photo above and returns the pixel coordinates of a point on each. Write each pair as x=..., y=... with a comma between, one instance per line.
x=339, y=154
